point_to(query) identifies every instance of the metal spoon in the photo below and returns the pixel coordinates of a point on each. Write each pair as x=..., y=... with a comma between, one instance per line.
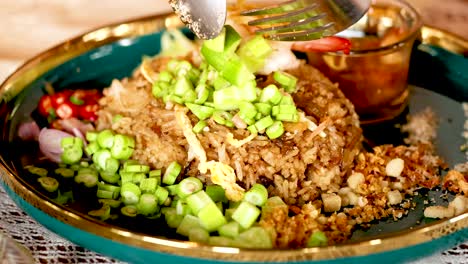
x=205, y=18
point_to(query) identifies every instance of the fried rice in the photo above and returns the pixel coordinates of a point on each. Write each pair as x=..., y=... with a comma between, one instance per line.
x=297, y=167
x=328, y=180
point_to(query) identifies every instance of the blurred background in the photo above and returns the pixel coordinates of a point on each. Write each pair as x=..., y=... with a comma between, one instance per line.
x=30, y=26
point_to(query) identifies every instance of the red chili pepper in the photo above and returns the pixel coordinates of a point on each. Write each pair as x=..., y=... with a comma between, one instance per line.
x=328, y=44
x=66, y=110
x=45, y=105
x=93, y=96
x=88, y=112
x=61, y=97
x=85, y=97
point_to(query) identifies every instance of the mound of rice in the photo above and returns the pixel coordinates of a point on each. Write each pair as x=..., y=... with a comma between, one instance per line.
x=297, y=167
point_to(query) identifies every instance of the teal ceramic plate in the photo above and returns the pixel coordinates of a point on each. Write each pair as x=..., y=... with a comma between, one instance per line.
x=95, y=58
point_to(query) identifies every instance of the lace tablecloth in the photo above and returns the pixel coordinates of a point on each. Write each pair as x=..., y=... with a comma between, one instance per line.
x=47, y=247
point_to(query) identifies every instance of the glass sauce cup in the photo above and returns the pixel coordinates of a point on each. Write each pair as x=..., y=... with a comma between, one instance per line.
x=374, y=75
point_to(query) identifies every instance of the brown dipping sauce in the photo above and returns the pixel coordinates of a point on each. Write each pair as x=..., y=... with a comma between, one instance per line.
x=374, y=75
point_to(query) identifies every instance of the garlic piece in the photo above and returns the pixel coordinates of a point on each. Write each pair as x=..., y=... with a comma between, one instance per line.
x=438, y=211
x=395, y=167
x=459, y=204
x=355, y=180
x=331, y=202
x=394, y=197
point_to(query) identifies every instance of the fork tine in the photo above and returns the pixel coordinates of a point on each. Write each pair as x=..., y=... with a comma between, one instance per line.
x=313, y=33
x=291, y=26
x=286, y=17
x=274, y=9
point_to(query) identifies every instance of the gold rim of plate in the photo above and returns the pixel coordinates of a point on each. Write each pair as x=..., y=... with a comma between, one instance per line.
x=57, y=55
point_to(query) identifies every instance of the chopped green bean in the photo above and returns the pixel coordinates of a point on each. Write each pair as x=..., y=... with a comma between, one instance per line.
x=87, y=176
x=92, y=148
x=100, y=158
x=263, y=108
x=246, y=214
x=198, y=201
x=105, y=138
x=48, y=183
x=275, y=130
x=271, y=94
x=126, y=176
x=257, y=195
x=74, y=167
x=110, y=177
x=65, y=172
x=264, y=123
x=286, y=80
x=130, y=193
x=112, y=166
x=287, y=100
x=254, y=52
x=228, y=213
x=108, y=187
x=147, y=204
x=148, y=185
x=188, y=223
x=173, y=220
x=71, y=142
x=72, y=154
x=198, y=234
x=172, y=189
x=162, y=194
x=154, y=174
x=317, y=239
x=37, y=171
x=222, y=117
x=211, y=218
x=122, y=147
x=171, y=173
x=103, y=213
x=203, y=93
x=129, y=210
x=216, y=193
x=254, y=237
x=182, y=208
x=91, y=136
x=137, y=168
x=165, y=76
x=252, y=129
x=188, y=186
x=200, y=111
x=138, y=177
x=199, y=126
x=287, y=117
x=231, y=229
x=103, y=194
x=220, y=241
x=111, y=202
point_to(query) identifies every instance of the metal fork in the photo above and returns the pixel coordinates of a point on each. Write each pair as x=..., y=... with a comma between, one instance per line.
x=298, y=20
x=204, y=17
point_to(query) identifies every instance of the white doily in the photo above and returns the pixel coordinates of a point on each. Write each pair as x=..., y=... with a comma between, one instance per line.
x=47, y=247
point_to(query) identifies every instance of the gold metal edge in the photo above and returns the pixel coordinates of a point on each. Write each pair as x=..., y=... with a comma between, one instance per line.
x=35, y=67
x=444, y=39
